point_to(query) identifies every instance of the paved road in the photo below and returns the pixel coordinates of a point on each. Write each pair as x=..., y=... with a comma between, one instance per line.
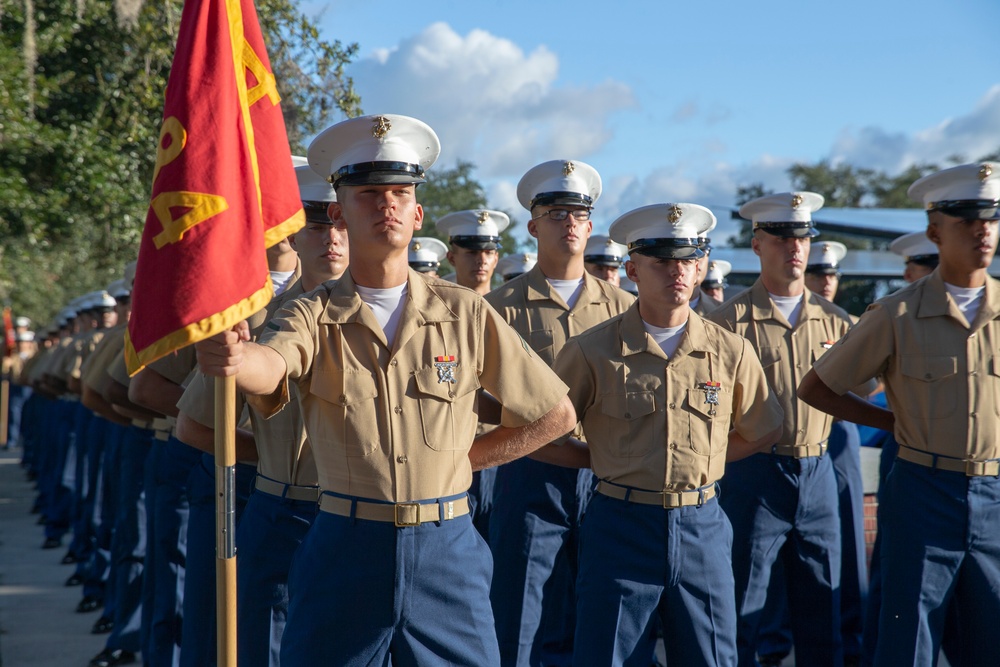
x=38, y=624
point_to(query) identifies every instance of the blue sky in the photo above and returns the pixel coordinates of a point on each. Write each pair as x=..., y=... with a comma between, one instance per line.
x=679, y=101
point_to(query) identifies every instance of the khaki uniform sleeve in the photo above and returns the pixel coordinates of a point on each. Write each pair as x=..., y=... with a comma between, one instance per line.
x=523, y=384
x=198, y=402
x=176, y=366
x=292, y=334
x=756, y=411
x=572, y=368
x=861, y=354
x=118, y=372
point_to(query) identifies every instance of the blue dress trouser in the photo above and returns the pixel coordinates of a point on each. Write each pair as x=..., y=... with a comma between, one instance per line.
x=941, y=544
x=59, y=507
x=364, y=592
x=481, y=499
x=198, y=642
x=270, y=531
x=534, y=537
x=17, y=397
x=129, y=540
x=640, y=562
x=771, y=500
x=775, y=632
x=102, y=466
x=82, y=544
x=166, y=526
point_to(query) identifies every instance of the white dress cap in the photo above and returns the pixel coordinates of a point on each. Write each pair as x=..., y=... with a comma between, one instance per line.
x=915, y=247
x=825, y=257
x=970, y=191
x=25, y=336
x=426, y=253
x=119, y=289
x=312, y=187
x=559, y=182
x=784, y=214
x=103, y=301
x=129, y=273
x=22, y=322
x=602, y=250
x=477, y=229
x=667, y=231
x=718, y=269
x=375, y=150
x=511, y=266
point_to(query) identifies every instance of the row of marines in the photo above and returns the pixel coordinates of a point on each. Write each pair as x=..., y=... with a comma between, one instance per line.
x=641, y=465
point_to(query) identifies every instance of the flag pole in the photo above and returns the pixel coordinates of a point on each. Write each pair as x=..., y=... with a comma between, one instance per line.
x=225, y=519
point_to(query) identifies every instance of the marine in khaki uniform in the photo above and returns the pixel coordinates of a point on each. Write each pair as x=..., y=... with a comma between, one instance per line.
x=426, y=253
x=934, y=344
x=286, y=492
x=537, y=506
x=603, y=258
x=788, y=494
x=511, y=266
x=388, y=363
x=714, y=285
x=665, y=399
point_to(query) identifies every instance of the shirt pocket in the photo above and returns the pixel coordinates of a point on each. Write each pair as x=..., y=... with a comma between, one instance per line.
x=933, y=387
x=770, y=361
x=351, y=421
x=708, y=422
x=541, y=341
x=447, y=409
x=629, y=428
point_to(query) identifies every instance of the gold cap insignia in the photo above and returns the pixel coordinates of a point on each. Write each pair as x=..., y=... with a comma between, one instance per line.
x=985, y=172
x=381, y=127
x=568, y=168
x=796, y=201
x=609, y=243
x=675, y=214
x=483, y=217
x=527, y=258
x=416, y=246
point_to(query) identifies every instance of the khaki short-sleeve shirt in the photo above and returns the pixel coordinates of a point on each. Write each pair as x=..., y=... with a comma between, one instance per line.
x=663, y=424
x=787, y=353
x=397, y=424
x=941, y=373
x=283, y=450
x=536, y=311
x=83, y=346
x=94, y=371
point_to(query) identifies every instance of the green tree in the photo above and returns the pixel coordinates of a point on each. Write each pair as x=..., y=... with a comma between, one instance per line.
x=81, y=101
x=456, y=189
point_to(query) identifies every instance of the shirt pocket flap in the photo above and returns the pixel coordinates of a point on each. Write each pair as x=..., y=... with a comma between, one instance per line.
x=928, y=369
x=343, y=387
x=630, y=405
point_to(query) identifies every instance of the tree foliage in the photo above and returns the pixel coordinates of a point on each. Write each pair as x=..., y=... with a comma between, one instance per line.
x=81, y=101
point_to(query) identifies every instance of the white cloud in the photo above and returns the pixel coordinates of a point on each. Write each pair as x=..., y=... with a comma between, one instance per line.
x=488, y=100
x=970, y=136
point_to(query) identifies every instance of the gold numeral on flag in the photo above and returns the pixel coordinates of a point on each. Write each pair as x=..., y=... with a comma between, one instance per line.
x=265, y=80
x=178, y=140
x=200, y=207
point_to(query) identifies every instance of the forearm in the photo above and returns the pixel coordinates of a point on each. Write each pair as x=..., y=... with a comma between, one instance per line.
x=202, y=437
x=262, y=371
x=117, y=396
x=94, y=401
x=848, y=407
x=505, y=444
x=740, y=448
x=151, y=390
x=570, y=453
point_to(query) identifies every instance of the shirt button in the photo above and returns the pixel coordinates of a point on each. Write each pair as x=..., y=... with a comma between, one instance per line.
x=927, y=376
x=394, y=362
x=972, y=372
x=401, y=458
x=398, y=410
x=673, y=445
x=802, y=430
x=972, y=414
x=673, y=406
x=628, y=415
x=343, y=399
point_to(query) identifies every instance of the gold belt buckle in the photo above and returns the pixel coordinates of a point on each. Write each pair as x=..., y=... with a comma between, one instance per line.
x=404, y=524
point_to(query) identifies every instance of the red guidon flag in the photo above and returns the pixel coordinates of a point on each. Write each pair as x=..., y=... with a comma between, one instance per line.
x=224, y=188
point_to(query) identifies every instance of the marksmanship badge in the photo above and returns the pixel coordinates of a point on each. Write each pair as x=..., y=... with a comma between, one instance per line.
x=711, y=390
x=446, y=369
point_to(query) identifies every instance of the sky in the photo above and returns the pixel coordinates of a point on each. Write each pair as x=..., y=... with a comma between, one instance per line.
x=679, y=102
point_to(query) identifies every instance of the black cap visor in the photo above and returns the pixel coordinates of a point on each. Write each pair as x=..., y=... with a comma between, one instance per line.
x=379, y=173
x=969, y=209
x=476, y=242
x=561, y=199
x=798, y=230
x=667, y=248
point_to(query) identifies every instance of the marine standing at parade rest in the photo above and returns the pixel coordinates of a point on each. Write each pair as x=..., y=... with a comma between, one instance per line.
x=537, y=506
x=665, y=399
x=790, y=493
x=934, y=344
x=388, y=363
